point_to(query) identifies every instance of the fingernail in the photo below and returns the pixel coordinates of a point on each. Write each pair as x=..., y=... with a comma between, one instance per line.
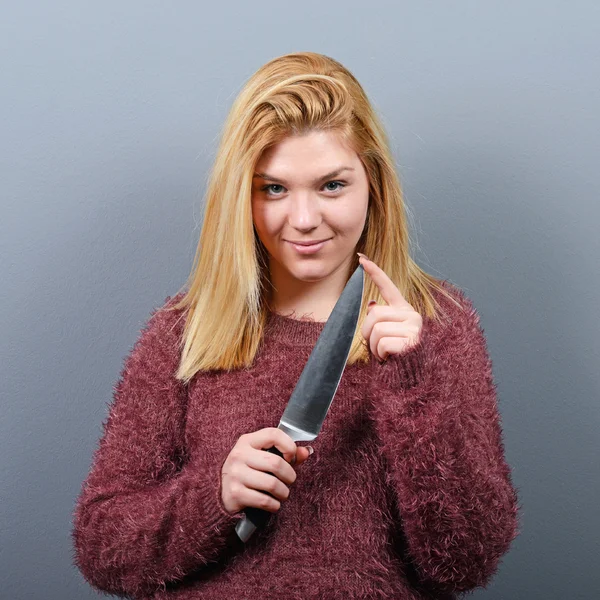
x=372, y=302
x=310, y=450
x=365, y=257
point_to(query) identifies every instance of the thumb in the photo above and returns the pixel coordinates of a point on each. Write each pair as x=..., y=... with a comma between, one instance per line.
x=302, y=453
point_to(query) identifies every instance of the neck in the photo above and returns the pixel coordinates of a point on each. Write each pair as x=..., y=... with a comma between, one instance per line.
x=306, y=300
x=320, y=316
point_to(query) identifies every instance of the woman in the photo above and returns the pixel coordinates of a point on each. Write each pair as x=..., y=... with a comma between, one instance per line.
x=408, y=494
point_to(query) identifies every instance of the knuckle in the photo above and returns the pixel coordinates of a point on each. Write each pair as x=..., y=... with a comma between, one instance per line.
x=285, y=438
x=236, y=456
x=274, y=462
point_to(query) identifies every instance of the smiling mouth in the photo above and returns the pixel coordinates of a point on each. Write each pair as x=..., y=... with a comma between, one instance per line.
x=308, y=243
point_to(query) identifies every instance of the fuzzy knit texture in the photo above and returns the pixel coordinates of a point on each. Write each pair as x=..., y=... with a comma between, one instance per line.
x=408, y=494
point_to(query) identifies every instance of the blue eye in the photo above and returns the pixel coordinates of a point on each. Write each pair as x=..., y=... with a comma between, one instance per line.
x=267, y=188
x=337, y=183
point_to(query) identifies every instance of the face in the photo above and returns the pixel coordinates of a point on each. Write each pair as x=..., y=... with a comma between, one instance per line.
x=310, y=188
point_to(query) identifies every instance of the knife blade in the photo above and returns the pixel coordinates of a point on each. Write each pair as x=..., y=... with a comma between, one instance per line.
x=317, y=385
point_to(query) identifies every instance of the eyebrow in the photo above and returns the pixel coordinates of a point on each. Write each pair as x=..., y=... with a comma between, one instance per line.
x=334, y=173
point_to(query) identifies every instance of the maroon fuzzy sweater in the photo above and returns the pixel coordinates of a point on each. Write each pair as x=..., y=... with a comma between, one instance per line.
x=408, y=494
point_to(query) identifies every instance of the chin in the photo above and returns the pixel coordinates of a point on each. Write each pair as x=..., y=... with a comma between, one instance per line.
x=309, y=272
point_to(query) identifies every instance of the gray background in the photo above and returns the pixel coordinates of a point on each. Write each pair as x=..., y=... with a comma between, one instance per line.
x=110, y=117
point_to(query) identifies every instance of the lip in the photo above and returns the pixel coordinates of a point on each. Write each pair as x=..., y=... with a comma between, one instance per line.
x=305, y=248
x=307, y=243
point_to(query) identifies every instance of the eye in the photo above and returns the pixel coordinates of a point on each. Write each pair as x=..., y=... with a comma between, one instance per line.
x=266, y=188
x=339, y=183
x=270, y=192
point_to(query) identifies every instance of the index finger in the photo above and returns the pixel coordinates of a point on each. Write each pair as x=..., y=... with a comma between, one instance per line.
x=389, y=292
x=268, y=437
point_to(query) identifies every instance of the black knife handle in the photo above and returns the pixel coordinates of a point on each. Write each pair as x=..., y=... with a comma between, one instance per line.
x=258, y=516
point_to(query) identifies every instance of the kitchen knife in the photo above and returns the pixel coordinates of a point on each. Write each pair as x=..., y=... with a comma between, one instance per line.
x=308, y=405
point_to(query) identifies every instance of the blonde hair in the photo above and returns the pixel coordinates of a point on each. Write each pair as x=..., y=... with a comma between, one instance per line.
x=226, y=303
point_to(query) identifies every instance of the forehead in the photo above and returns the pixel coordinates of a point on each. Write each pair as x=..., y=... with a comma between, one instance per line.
x=317, y=151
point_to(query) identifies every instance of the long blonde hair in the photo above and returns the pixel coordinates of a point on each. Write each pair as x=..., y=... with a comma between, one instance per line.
x=225, y=303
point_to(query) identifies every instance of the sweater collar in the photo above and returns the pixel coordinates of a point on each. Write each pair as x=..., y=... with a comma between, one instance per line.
x=293, y=330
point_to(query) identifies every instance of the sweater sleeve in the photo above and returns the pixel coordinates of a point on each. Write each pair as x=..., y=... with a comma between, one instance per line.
x=145, y=516
x=436, y=416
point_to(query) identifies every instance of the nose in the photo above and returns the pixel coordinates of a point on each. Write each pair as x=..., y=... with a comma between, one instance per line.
x=304, y=213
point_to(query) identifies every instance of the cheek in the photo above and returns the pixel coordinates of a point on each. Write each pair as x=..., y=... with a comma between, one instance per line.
x=258, y=216
x=266, y=222
x=349, y=218
x=257, y=210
